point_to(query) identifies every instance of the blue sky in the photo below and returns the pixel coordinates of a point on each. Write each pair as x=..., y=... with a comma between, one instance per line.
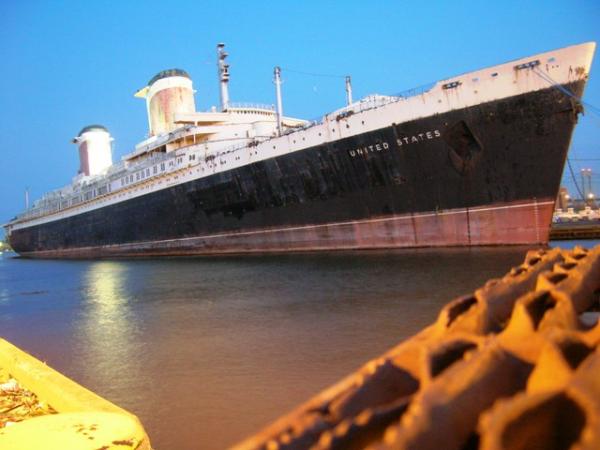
x=66, y=64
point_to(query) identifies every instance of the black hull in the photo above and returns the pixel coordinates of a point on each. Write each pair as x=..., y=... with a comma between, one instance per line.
x=507, y=152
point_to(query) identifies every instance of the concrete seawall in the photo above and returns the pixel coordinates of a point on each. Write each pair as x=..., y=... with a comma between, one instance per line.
x=515, y=365
x=75, y=418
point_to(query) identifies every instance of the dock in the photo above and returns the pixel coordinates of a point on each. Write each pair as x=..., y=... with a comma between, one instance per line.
x=575, y=230
x=513, y=365
x=43, y=409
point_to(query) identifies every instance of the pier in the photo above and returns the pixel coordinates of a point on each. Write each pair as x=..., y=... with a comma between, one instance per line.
x=575, y=230
x=43, y=409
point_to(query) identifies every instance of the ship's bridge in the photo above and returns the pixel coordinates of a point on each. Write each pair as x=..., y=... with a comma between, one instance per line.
x=241, y=123
x=174, y=123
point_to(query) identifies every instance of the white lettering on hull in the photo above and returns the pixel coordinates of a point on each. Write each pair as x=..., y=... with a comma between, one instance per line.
x=401, y=142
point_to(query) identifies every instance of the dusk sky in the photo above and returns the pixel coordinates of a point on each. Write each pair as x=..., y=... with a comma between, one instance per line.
x=67, y=64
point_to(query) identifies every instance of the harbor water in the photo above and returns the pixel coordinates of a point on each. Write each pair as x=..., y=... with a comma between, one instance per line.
x=208, y=350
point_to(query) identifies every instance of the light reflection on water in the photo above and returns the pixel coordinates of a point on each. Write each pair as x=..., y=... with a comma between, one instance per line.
x=206, y=351
x=104, y=285
x=4, y=295
x=106, y=327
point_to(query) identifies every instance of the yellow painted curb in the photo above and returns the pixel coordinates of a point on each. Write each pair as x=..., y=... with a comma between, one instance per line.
x=70, y=400
x=74, y=431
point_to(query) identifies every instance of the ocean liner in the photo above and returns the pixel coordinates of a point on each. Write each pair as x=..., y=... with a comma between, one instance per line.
x=475, y=159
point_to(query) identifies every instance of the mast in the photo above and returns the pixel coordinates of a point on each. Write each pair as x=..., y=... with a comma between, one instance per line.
x=348, y=90
x=26, y=198
x=277, y=81
x=223, y=70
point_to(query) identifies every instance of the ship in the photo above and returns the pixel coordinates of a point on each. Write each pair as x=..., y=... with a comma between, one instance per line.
x=471, y=160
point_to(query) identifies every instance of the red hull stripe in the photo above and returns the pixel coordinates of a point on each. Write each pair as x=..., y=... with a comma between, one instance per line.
x=503, y=224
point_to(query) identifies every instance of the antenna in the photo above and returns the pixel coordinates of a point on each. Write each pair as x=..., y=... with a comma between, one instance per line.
x=223, y=71
x=348, y=90
x=26, y=198
x=277, y=81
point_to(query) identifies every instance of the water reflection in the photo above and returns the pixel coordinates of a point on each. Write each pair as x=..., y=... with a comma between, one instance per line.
x=107, y=330
x=4, y=295
x=104, y=284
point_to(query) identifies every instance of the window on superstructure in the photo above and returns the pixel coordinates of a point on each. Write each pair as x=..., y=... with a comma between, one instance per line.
x=162, y=166
x=148, y=172
x=154, y=170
